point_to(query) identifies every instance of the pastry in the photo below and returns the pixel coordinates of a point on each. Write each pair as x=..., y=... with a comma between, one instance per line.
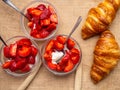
x=99, y=18
x=106, y=56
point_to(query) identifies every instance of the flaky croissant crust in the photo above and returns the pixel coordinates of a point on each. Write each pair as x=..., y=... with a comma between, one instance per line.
x=106, y=56
x=99, y=18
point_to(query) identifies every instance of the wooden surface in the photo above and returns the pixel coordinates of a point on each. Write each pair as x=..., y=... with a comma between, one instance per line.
x=68, y=11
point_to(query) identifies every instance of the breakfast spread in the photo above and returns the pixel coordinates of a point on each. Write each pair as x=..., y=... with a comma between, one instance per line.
x=55, y=51
x=43, y=20
x=20, y=56
x=99, y=18
x=106, y=56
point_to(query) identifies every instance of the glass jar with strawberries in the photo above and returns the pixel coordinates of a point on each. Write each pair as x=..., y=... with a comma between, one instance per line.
x=42, y=20
x=57, y=59
x=20, y=56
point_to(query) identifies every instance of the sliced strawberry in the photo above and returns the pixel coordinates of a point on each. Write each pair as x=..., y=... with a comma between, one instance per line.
x=29, y=10
x=41, y=7
x=61, y=39
x=20, y=64
x=70, y=43
x=31, y=60
x=35, y=12
x=26, y=68
x=43, y=33
x=53, y=18
x=69, y=66
x=51, y=9
x=58, y=68
x=13, y=66
x=30, y=24
x=48, y=55
x=50, y=45
x=24, y=41
x=51, y=27
x=6, y=51
x=34, y=33
x=58, y=46
x=75, y=58
x=45, y=22
x=24, y=51
x=65, y=59
x=29, y=17
x=34, y=51
x=13, y=49
x=18, y=58
x=52, y=66
x=74, y=51
x=45, y=14
x=6, y=65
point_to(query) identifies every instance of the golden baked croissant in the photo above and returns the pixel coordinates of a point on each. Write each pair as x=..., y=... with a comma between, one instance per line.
x=106, y=56
x=99, y=18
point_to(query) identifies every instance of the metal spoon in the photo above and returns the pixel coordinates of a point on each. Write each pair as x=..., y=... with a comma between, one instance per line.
x=69, y=35
x=3, y=41
x=8, y=2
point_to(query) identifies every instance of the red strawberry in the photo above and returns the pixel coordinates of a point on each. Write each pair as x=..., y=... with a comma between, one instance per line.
x=47, y=56
x=41, y=7
x=30, y=24
x=35, y=33
x=53, y=18
x=24, y=41
x=26, y=68
x=59, y=68
x=13, y=49
x=51, y=27
x=34, y=12
x=13, y=66
x=18, y=58
x=45, y=22
x=70, y=43
x=20, y=64
x=34, y=51
x=45, y=14
x=74, y=51
x=50, y=45
x=51, y=65
x=29, y=17
x=24, y=51
x=75, y=58
x=69, y=66
x=31, y=60
x=58, y=46
x=61, y=39
x=51, y=9
x=6, y=51
x=65, y=58
x=43, y=33
x=6, y=65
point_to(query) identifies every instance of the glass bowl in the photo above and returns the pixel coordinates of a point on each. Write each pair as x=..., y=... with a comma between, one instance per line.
x=4, y=59
x=63, y=64
x=26, y=24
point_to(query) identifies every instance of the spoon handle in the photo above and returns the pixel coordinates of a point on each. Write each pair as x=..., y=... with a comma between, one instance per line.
x=8, y=2
x=3, y=41
x=75, y=26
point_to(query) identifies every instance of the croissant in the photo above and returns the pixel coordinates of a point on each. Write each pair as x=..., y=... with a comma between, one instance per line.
x=99, y=18
x=106, y=56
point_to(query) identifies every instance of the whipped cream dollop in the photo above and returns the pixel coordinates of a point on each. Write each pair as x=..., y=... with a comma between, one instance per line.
x=56, y=55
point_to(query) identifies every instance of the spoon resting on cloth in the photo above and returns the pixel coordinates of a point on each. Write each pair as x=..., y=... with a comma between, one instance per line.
x=8, y=2
x=69, y=35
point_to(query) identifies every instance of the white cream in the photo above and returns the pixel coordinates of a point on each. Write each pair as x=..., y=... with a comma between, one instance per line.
x=55, y=56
